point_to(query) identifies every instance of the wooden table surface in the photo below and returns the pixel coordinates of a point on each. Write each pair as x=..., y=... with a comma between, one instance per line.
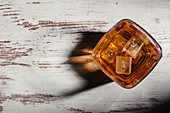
x=46, y=64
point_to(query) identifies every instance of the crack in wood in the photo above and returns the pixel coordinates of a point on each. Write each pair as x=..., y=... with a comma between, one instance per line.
x=30, y=99
x=78, y=110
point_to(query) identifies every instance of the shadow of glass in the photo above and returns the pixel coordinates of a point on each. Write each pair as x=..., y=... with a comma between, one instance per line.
x=82, y=62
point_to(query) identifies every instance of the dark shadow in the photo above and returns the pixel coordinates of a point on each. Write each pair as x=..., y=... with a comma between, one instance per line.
x=81, y=61
x=162, y=108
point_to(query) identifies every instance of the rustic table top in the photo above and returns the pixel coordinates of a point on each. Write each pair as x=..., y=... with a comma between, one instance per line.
x=45, y=56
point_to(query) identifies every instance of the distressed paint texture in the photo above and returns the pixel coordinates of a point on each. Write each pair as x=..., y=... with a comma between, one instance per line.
x=46, y=63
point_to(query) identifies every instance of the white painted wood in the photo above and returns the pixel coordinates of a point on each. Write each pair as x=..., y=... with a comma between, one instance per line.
x=39, y=75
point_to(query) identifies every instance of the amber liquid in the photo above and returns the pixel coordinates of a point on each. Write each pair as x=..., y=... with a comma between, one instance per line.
x=137, y=63
x=110, y=46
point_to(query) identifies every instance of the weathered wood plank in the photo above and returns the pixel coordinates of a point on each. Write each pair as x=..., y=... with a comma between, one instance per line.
x=45, y=56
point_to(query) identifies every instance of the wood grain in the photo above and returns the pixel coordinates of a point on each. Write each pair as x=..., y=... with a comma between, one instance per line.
x=46, y=64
